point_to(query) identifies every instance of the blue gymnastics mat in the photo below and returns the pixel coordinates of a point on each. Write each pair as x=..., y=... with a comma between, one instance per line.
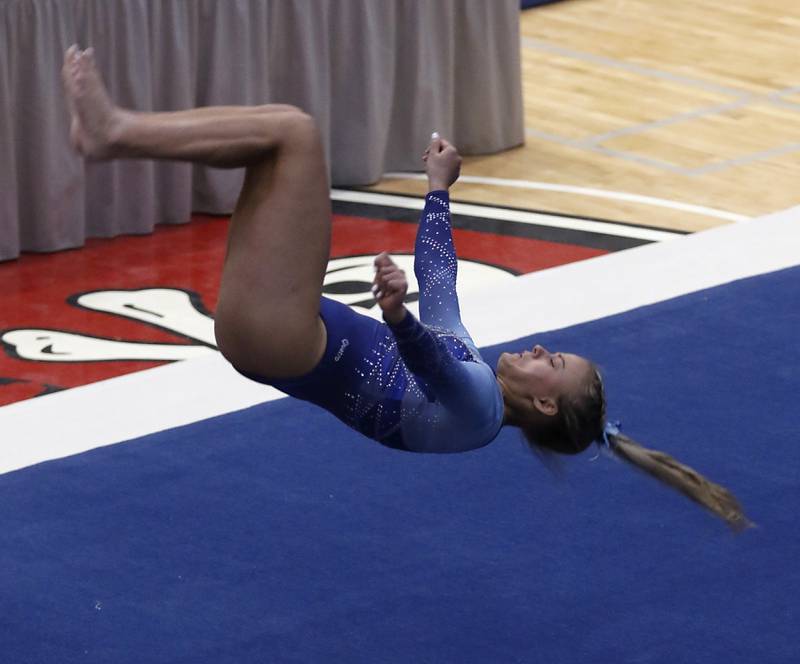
x=275, y=534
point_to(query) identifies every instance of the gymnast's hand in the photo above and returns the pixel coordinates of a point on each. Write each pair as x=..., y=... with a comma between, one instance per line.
x=442, y=163
x=390, y=288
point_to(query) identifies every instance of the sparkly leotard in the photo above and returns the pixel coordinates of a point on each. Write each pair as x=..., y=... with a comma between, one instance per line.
x=415, y=386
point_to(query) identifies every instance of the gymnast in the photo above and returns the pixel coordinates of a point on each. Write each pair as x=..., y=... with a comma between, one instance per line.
x=417, y=385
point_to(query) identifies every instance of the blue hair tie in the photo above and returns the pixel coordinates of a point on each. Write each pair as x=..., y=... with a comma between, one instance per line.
x=610, y=429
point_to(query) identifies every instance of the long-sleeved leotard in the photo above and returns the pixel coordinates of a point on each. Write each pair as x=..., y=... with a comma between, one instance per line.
x=419, y=386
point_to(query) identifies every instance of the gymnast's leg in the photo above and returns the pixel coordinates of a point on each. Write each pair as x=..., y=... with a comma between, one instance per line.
x=267, y=319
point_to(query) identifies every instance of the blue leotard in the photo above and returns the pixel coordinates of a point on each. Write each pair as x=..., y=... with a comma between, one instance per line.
x=414, y=386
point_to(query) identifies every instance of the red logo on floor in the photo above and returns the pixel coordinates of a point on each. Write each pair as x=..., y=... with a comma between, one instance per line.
x=127, y=304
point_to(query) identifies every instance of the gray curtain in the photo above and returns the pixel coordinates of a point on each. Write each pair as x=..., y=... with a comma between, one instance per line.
x=378, y=76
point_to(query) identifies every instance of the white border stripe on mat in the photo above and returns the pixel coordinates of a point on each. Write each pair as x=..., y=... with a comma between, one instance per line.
x=614, y=283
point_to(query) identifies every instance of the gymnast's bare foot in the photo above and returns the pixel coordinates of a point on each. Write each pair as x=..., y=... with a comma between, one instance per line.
x=95, y=120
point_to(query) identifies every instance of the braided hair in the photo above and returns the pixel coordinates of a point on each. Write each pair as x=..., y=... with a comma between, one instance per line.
x=581, y=421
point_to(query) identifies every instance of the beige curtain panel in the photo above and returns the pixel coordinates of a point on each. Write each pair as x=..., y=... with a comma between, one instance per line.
x=378, y=76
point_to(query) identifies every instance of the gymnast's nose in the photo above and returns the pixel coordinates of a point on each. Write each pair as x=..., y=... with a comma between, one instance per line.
x=538, y=351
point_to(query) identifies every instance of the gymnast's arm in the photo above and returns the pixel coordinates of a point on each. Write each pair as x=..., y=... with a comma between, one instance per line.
x=423, y=352
x=465, y=393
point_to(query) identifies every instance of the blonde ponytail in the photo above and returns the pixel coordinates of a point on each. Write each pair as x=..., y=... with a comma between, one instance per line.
x=663, y=467
x=581, y=421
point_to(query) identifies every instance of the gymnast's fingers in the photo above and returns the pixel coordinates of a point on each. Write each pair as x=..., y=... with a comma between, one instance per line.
x=383, y=259
x=390, y=283
x=388, y=269
x=396, y=286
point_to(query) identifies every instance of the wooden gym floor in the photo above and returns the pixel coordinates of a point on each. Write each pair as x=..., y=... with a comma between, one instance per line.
x=682, y=115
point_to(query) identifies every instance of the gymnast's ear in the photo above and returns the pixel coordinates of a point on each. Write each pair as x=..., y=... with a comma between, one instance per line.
x=546, y=405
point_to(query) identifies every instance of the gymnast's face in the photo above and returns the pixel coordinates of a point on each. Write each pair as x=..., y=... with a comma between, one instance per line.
x=541, y=378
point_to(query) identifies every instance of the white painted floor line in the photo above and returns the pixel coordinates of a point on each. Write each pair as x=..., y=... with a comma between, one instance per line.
x=519, y=216
x=134, y=405
x=585, y=191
